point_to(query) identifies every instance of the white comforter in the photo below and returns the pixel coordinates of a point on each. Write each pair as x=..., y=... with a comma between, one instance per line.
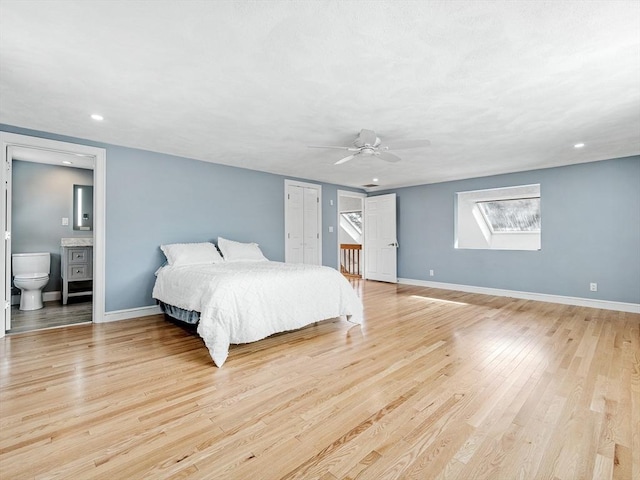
x=244, y=302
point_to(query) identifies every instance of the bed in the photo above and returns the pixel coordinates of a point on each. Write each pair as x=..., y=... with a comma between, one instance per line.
x=244, y=301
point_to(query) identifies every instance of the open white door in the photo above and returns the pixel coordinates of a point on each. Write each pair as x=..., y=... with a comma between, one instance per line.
x=381, y=246
x=5, y=282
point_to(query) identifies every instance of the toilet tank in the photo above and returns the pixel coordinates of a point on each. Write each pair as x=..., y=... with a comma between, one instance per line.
x=29, y=263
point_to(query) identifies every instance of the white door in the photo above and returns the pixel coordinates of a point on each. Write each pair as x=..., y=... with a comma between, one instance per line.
x=295, y=225
x=302, y=223
x=310, y=221
x=5, y=282
x=381, y=247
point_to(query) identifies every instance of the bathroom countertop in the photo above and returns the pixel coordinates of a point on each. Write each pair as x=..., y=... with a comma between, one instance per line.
x=76, y=242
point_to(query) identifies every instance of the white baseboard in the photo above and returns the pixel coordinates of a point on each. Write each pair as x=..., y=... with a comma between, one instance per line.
x=46, y=297
x=541, y=297
x=130, y=313
x=51, y=296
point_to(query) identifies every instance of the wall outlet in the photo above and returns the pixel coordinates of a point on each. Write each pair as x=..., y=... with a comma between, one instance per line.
x=431, y=273
x=65, y=221
x=593, y=287
x=330, y=229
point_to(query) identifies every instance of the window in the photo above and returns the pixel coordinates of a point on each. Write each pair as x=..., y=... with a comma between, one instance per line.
x=506, y=216
x=499, y=219
x=354, y=219
x=351, y=224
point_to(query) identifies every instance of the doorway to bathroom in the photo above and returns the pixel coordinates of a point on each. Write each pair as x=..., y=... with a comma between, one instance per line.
x=44, y=204
x=41, y=180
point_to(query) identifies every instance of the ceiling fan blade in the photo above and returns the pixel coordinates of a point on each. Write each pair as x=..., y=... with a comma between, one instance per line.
x=409, y=144
x=388, y=157
x=330, y=146
x=345, y=160
x=366, y=137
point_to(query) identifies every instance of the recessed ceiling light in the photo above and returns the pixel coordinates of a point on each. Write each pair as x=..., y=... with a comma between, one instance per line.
x=375, y=179
x=97, y=117
x=578, y=145
x=67, y=162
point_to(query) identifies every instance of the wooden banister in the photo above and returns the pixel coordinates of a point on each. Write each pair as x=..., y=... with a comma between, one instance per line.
x=350, y=255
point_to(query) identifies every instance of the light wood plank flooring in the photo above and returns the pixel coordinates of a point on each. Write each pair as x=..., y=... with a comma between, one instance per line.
x=433, y=385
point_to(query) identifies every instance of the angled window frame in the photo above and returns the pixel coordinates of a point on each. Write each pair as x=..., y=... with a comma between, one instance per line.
x=475, y=230
x=355, y=224
x=518, y=223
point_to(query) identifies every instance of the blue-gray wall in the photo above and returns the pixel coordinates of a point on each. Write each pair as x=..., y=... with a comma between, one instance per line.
x=590, y=233
x=590, y=224
x=153, y=199
x=41, y=195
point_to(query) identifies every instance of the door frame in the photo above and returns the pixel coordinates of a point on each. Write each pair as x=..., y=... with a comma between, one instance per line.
x=295, y=183
x=99, y=156
x=361, y=196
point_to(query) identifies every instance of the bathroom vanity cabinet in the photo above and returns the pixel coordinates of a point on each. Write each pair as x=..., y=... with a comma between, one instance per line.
x=77, y=271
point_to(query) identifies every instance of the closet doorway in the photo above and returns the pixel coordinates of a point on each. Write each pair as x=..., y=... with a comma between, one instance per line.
x=303, y=222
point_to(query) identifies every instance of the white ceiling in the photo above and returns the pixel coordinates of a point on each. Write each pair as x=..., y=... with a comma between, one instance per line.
x=62, y=159
x=496, y=86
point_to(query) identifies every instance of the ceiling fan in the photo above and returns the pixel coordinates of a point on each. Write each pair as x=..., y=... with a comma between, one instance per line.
x=368, y=144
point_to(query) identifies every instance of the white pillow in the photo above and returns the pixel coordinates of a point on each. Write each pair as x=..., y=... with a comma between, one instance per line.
x=240, y=252
x=191, y=253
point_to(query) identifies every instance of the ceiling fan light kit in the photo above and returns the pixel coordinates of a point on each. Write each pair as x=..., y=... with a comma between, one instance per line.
x=368, y=144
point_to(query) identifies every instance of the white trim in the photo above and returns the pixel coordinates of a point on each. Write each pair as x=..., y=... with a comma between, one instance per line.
x=130, y=313
x=51, y=296
x=99, y=234
x=99, y=156
x=540, y=297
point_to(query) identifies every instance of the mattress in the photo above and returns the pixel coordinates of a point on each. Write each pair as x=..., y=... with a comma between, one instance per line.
x=241, y=302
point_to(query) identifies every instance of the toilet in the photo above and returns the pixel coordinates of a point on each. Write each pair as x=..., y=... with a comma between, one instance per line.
x=31, y=275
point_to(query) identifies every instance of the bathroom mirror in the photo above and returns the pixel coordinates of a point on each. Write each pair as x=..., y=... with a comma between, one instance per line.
x=83, y=207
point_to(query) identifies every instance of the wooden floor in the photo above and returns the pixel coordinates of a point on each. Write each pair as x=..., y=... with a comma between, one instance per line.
x=54, y=314
x=433, y=385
